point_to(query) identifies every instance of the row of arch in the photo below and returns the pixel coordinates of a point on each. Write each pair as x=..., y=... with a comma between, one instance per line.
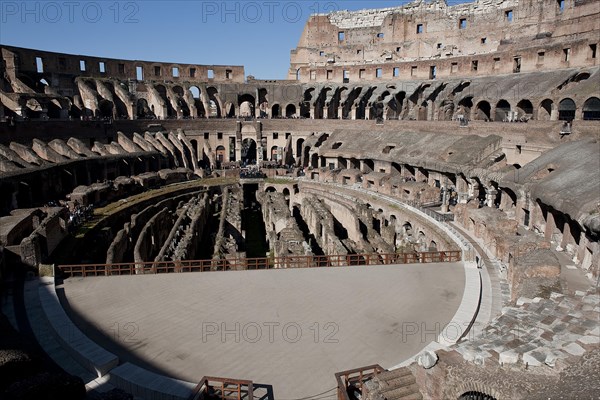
x=566, y=110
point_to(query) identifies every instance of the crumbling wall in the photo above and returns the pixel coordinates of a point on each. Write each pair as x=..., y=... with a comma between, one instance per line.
x=229, y=236
x=283, y=234
x=42, y=242
x=153, y=235
x=182, y=242
x=533, y=273
x=320, y=222
x=121, y=248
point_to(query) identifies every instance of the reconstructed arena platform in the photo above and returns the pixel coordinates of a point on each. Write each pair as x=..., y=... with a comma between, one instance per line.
x=292, y=329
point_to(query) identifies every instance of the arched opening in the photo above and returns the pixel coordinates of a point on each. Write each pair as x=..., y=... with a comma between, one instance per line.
x=290, y=111
x=349, y=103
x=220, y=152
x=248, y=151
x=263, y=103
x=433, y=246
x=566, y=110
x=320, y=103
x=286, y=196
x=194, y=143
x=181, y=103
x=525, y=109
x=105, y=108
x=395, y=106
x=482, y=112
x=464, y=107
x=299, y=144
x=545, y=110
x=276, y=111
x=476, y=396
x=120, y=107
x=305, y=106
x=246, y=103
x=54, y=109
x=229, y=110
x=274, y=153
x=197, y=101
x=314, y=160
x=144, y=111
x=162, y=90
x=591, y=109
x=215, y=107
x=502, y=111
x=363, y=104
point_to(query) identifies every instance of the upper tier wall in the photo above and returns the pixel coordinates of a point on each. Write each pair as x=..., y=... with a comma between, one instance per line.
x=28, y=61
x=521, y=35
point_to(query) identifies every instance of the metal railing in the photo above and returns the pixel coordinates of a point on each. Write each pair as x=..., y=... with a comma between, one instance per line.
x=212, y=388
x=239, y=264
x=354, y=379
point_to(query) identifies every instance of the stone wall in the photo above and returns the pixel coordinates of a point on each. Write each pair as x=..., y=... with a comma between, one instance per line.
x=41, y=243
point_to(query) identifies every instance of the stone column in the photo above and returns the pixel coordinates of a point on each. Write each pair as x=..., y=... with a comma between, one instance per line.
x=490, y=196
x=474, y=189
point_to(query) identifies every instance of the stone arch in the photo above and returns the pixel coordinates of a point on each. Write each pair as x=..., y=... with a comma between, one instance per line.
x=525, y=109
x=196, y=148
x=162, y=91
x=105, y=108
x=566, y=109
x=229, y=110
x=502, y=110
x=394, y=106
x=305, y=105
x=482, y=111
x=319, y=104
x=290, y=111
x=274, y=153
x=545, y=110
x=180, y=100
x=363, y=104
x=270, y=189
x=478, y=388
x=249, y=151
x=196, y=95
x=591, y=109
x=246, y=104
x=349, y=102
x=276, y=111
x=143, y=110
x=464, y=106
x=220, y=153
x=314, y=160
x=299, y=145
x=214, y=103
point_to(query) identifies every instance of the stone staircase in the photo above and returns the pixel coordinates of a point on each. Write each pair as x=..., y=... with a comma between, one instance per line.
x=398, y=384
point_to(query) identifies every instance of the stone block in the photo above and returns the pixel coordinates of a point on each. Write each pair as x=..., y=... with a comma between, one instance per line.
x=508, y=357
x=574, y=349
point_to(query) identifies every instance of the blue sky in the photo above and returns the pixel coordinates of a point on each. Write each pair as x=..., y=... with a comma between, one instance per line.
x=256, y=34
